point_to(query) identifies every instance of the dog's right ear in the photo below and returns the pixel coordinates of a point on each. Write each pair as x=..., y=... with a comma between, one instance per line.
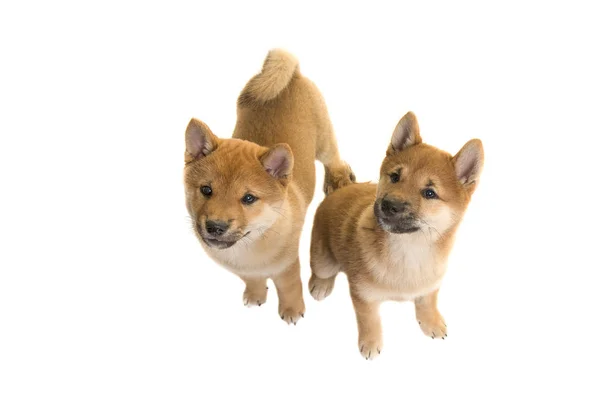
x=199, y=140
x=278, y=161
x=406, y=134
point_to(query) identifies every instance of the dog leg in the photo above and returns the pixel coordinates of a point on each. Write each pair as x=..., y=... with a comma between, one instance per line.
x=431, y=321
x=337, y=172
x=289, y=290
x=324, y=269
x=256, y=291
x=370, y=341
x=322, y=278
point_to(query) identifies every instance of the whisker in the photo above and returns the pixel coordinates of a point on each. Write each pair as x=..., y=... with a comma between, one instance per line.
x=430, y=228
x=280, y=211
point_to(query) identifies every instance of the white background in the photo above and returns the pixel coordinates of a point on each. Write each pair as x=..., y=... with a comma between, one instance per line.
x=105, y=292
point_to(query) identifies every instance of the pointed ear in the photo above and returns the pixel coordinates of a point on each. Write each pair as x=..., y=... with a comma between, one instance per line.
x=279, y=161
x=406, y=133
x=468, y=163
x=199, y=140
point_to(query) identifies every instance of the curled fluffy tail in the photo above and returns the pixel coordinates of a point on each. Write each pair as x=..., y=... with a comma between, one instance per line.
x=277, y=72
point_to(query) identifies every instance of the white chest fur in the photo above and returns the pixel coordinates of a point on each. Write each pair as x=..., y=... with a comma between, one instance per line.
x=409, y=267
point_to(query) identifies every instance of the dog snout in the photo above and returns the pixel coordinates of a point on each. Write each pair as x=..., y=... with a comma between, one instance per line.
x=392, y=207
x=216, y=228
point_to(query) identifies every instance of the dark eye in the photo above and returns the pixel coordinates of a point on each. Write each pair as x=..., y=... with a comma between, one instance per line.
x=394, y=177
x=249, y=199
x=206, y=190
x=429, y=194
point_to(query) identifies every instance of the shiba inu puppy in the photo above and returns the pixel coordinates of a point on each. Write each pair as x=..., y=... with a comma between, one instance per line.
x=393, y=239
x=247, y=196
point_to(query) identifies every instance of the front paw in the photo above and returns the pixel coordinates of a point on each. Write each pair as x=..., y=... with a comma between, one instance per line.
x=433, y=325
x=292, y=312
x=370, y=347
x=255, y=296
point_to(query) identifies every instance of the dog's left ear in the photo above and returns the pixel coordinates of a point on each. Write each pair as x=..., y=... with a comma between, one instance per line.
x=406, y=134
x=279, y=162
x=468, y=163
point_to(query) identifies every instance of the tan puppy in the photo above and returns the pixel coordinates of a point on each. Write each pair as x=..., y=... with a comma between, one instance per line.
x=247, y=196
x=393, y=239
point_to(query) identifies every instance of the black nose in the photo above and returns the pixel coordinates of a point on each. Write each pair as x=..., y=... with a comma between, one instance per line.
x=216, y=228
x=393, y=207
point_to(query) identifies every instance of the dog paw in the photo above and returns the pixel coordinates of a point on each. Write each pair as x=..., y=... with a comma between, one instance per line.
x=370, y=348
x=292, y=313
x=337, y=176
x=320, y=288
x=255, y=297
x=433, y=325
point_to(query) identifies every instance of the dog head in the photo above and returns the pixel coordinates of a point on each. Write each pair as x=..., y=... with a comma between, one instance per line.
x=422, y=187
x=233, y=187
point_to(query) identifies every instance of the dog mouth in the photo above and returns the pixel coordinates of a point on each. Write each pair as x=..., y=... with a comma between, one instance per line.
x=405, y=224
x=221, y=243
x=395, y=227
